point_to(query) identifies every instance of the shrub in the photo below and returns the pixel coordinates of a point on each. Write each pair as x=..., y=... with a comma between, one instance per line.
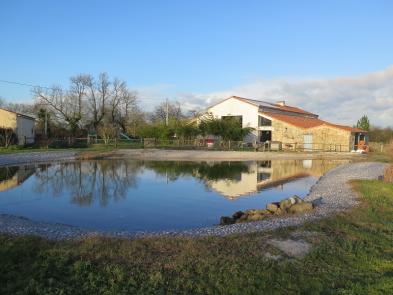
x=388, y=174
x=107, y=132
x=7, y=136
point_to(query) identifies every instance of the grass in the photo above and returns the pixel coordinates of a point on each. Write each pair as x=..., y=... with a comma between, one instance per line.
x=352, y=254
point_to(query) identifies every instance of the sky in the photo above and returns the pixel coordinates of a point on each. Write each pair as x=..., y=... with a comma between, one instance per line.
x=333, y=58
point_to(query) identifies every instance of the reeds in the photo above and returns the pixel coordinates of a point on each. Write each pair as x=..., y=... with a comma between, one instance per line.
x=388, y=174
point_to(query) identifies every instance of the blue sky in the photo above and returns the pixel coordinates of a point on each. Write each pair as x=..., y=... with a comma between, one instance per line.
x=173, y=48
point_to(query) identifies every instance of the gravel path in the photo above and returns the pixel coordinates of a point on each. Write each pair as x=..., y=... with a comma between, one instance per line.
x=331, y=194
x=35, y=157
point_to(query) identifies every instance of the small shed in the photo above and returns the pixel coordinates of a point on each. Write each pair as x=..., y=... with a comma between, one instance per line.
x=22, y=125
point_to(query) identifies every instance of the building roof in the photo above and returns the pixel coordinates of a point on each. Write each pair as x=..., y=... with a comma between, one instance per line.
x=308, y=122
x=269, y=105
x=19, y=114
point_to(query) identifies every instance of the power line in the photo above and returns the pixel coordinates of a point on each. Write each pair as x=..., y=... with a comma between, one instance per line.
x=51, y=88
x=23, y=84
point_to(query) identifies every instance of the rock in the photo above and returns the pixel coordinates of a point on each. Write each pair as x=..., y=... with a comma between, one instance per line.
x=279, y=211
x=242, y=218
x=292, y=248
x=285, y=204
x=298, y=199
x=224, y=220
x=293, y=200
x=301, y=208
x=255, y=217
x=238, y=214
x=257, y=211
x=272, y=207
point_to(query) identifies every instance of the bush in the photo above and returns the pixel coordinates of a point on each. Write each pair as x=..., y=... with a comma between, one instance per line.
x=388, y=174
x=7, y=136
x=107, y=132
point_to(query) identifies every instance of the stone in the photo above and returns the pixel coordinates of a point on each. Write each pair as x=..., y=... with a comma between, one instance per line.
x=292, y=248
x=279, y=211
x=257, y=211
x=255, y=217
x=270, y=256
x=272, y=207
x=285, y=204
x=225, y=220
x=301, y=208
x=237, y=214
x=243, y=217
x=298, y=199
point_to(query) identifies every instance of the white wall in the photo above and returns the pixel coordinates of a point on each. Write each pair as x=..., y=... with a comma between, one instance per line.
x=235, y=107
x=25, y=128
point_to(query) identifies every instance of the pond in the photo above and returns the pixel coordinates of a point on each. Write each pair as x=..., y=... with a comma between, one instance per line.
x=122, y=194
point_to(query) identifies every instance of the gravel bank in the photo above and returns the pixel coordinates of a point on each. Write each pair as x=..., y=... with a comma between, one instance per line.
x=331, y=193
x=206, y=155
x=35, y=157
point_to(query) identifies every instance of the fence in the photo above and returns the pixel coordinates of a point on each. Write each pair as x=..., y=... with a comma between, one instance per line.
x=317, y=147
x=194, y=144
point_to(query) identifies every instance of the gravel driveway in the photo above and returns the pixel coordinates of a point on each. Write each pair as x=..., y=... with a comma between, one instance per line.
x=35, y=157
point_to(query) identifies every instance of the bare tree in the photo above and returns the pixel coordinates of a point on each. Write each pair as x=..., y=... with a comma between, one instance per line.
x=118, y=92
x=99, y=94
x=6, y=136
x=79, y=84
x=61, y=104
x=174, y=112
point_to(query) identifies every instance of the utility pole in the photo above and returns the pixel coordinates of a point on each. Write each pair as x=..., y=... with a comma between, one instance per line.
x=46, y=123
x=167, y=113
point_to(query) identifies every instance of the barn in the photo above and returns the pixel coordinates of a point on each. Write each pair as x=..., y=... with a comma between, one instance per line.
x=289, y=127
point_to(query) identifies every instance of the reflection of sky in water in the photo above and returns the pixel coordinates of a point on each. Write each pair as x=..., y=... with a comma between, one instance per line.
x=136, y=196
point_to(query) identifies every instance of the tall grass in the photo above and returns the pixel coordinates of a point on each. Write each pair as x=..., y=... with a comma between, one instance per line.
x=388, y=174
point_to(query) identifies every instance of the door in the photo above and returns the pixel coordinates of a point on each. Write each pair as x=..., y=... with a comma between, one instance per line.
x=307, y=142
x=265, y=136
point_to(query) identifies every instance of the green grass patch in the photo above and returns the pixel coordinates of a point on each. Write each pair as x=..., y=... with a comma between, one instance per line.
x=352, y=254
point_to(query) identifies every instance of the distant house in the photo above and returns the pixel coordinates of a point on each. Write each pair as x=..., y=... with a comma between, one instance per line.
x=22, y=125
x=290, y=126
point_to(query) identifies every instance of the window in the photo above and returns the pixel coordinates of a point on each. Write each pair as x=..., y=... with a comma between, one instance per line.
x=262, y=121
x=265, y=164
x=237, y=118
x=262, y=176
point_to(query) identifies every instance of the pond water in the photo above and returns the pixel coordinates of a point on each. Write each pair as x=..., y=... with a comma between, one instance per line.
x=121, y=194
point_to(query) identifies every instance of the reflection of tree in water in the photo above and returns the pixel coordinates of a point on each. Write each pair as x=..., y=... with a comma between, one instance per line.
x=88, y=181
x=13, y=176
x=201, y=170
x=8, y=172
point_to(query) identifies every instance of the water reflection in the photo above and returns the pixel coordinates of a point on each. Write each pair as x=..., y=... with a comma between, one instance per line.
x=236, y=179
x=13, y=176
x=87, y=182
x=145, y=195
x=103, y=181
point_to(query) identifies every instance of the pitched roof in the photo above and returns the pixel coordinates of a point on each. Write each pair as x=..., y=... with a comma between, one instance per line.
x=307, y=122
x=18, y=114
x=285, y=108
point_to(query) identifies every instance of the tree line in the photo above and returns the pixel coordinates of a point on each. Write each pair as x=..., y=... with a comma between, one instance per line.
x=107, y=106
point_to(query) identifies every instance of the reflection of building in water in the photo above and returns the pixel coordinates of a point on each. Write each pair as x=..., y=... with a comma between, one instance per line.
x=267, y=174
x=13, y=176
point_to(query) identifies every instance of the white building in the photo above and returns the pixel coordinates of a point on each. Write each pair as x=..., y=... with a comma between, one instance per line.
x=291, y=126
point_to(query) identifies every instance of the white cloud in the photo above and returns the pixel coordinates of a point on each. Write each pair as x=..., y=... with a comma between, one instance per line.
x=340, y=100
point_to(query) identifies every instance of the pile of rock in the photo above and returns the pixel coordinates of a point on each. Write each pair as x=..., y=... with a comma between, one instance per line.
x=293, y=205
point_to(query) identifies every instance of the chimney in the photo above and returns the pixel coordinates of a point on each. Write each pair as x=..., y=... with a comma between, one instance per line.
x=281, y=103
